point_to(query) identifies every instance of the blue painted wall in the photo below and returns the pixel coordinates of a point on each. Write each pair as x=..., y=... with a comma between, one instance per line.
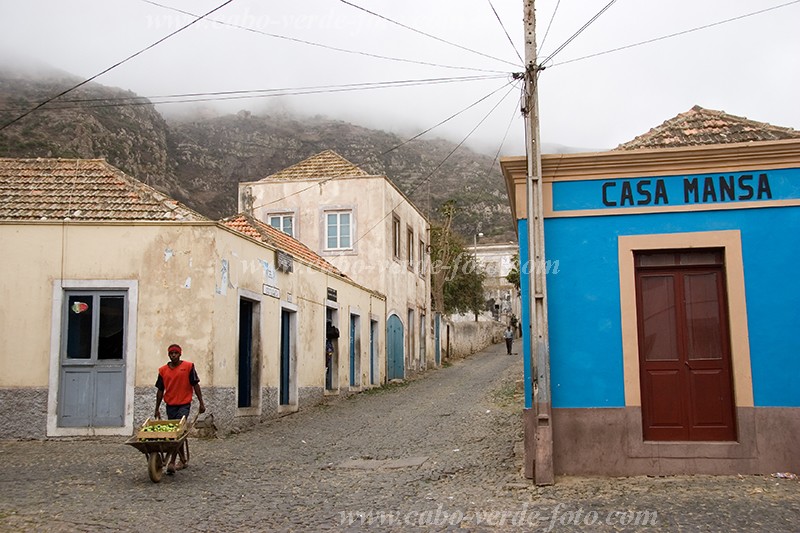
x=584, y=304
x=524, y=286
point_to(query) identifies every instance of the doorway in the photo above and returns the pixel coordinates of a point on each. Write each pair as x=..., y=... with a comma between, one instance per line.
x=394, y=348
x=248, y=383
x=684, y=346
x=287, y=359
x=92, y=362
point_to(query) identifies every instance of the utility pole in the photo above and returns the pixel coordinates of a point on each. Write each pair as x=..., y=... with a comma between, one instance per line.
x=542, y=438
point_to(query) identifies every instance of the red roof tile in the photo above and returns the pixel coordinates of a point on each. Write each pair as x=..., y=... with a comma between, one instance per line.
x=80, y=189
x=324, y=165
x=705, y=126
x=256, y=229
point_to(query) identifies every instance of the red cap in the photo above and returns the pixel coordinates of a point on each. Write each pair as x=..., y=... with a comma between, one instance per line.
x=174, y=348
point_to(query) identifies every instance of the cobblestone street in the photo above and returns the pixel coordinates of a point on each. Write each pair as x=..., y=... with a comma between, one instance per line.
x=436, y=452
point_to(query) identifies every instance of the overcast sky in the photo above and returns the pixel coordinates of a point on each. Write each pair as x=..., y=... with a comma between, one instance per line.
x=747, y=67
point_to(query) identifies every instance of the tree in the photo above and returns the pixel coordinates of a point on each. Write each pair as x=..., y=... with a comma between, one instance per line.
x=513, y=275
x=456, y=278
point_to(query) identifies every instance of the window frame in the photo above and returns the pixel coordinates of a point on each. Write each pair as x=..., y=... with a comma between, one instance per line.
x=283, y=215
x=421, y=258
x=338, y=211
x=410, y=248
x=395, y=237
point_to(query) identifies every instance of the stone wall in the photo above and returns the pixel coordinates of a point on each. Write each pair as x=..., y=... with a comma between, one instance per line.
x=468, y=337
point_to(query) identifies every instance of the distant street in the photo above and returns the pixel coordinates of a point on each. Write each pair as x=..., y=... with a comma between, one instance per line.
x=437, y=453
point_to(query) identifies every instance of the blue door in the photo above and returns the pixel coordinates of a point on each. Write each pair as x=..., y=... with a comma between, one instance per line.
x=352, y=351
x=92, y=380
x=394, y=348
x=373, y=330
x=245, y=353
x=437, y=347
x=285, y=357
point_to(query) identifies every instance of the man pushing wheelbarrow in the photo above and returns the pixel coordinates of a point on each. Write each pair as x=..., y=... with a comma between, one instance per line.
x=176, y=382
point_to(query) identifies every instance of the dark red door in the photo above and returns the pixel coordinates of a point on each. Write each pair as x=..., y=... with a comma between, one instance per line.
x=684, y=347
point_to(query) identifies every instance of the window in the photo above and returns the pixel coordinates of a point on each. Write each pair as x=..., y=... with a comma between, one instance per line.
x=338, y=230
x=410, y=249
x=421, y=258
x=395, y=237
x=283, y=222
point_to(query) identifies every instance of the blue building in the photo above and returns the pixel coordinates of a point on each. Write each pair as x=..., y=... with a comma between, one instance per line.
x=672, y=299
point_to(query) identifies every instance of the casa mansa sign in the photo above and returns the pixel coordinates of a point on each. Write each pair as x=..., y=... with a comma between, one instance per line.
x=694, y=190
x=720, y=190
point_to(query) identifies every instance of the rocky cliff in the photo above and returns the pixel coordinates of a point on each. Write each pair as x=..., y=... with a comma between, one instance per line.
x=200, y=161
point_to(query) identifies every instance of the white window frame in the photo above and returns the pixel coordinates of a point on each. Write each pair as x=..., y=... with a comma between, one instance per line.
x=338, y=211
x=59, y=290
x=283, y=216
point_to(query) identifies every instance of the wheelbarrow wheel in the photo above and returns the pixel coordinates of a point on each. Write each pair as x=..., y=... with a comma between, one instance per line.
x=155, y=467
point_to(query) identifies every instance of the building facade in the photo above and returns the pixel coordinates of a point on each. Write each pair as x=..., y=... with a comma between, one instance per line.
x=672, y=317
x=368, y=229
x=111, y=272
x=497, y=261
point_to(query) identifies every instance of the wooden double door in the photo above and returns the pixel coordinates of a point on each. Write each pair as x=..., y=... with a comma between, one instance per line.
x=684, y=346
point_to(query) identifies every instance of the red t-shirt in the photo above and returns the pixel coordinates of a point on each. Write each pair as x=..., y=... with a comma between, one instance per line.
x=177, y=383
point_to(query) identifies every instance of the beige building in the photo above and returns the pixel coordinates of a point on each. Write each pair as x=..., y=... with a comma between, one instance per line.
x=106, y=273
x=366, y=227
x=497, y=260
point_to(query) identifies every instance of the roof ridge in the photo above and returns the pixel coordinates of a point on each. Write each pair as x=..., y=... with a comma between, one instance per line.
x=700, y=125
x=322, y=165
x=34, y=189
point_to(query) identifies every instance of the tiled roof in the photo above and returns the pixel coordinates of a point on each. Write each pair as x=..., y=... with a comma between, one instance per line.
x=706, y=126
x=327, y=164
x=256, y=229
x=80, y=189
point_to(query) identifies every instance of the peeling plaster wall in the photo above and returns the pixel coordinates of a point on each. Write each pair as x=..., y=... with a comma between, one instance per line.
x=189, y=277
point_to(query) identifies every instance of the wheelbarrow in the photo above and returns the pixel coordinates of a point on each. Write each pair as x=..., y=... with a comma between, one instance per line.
x=158, y=444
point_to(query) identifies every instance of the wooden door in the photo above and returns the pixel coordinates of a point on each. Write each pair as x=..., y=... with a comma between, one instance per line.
x=684, y=347
x=394, y=348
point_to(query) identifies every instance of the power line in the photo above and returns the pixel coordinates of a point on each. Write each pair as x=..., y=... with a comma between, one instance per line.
x=521, y=61
x=325, y=46
x=393, y=148
x=421, y=81
x=90, y=103
x=547, y=31
x=387, y=19
x=432, y=172
x=196, y=20
x=684, y=32
x=574, y=35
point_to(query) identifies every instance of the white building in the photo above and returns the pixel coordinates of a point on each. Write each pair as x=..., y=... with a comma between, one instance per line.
x=369, y=229
x=497, y=260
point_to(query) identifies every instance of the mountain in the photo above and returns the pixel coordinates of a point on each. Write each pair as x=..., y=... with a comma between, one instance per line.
x=199, y=160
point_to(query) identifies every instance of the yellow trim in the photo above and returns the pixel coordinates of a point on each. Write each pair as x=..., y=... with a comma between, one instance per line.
x=731, y=241
x=617, y=164
x=721, y=206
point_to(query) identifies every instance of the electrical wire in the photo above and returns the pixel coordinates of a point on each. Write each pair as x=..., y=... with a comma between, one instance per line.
x=574, y=35
x=325, y=46
x=387, y=19
x=521, y=61
x=115, y=65
x=393, y=148
x=549, y=24
x=90, y=103
x=676, y=34
x=432, y=172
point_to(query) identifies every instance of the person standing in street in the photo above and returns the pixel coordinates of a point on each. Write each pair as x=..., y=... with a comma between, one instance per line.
x=508, y=335
x=176, y=382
